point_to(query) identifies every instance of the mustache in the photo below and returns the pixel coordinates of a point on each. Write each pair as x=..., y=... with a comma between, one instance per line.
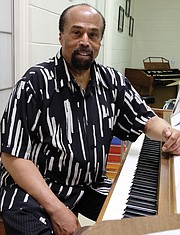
x=83, y=50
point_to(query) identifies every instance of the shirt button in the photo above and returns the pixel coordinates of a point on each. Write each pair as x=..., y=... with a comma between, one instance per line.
x=93, y=146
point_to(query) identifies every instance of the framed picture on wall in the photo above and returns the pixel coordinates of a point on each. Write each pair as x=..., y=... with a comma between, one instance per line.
x=127, y=9
x=121, y=19
x=131, y=26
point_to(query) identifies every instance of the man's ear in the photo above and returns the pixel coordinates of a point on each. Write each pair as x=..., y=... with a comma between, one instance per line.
x=60, y=36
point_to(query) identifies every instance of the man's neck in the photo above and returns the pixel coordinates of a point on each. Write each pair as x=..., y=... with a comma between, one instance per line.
x=82, y=78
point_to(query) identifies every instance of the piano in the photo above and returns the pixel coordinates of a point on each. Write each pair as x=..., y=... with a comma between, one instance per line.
x=136, y=189
x=156, y=79
x=147, y=184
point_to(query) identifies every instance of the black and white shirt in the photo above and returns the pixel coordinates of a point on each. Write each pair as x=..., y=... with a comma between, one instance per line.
x=66, y=131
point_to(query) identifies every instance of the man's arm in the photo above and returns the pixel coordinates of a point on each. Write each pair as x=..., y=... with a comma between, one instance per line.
x=28, y=177
x=158, y=129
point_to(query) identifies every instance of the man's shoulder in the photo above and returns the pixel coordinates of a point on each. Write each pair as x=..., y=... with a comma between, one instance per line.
x=45, y=65
x=40, y=70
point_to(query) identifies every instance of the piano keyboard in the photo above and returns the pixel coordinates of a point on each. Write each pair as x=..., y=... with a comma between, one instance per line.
x=135, y=192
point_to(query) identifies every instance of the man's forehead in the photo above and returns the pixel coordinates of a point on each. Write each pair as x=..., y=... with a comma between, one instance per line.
x=85, y=9
x=83, y=13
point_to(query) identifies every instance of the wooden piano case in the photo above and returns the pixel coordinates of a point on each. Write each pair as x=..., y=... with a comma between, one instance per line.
x=135, y=226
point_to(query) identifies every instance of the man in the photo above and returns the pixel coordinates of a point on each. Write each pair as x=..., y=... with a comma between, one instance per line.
x=57, y=129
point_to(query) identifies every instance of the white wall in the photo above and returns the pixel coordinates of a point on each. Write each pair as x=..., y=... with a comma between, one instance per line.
x=43, y=17
x=38, y=32
x=157, y=31
x=43, y=33
x=118, y=45
x=6, y=52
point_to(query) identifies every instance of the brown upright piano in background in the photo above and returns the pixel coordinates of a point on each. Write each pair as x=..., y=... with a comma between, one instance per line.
x=155, y=80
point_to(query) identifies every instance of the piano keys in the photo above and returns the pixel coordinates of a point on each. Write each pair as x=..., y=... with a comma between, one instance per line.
x=136, y=190
x=143, y=194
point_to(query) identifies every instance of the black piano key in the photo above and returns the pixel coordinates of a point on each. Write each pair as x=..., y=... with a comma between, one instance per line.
x=143, y=188
x=150, y=152
x=139, y=173
x=142, y=175
x=153, y=204
x=141, y=208
x=136, y=212
x=148, y=187
x=138, y=196
x=142, y=195
x=153, y=173
x=144, y=182
x=143, y=191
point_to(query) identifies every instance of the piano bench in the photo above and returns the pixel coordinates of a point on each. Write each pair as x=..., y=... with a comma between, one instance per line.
x=149, y=99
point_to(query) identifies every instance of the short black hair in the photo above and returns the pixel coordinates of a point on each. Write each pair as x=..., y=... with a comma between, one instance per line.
x=62, y=19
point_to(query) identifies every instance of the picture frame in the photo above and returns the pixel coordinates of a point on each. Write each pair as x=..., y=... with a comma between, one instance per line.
x=127, y=8
x=131, y=26
x=121, y=19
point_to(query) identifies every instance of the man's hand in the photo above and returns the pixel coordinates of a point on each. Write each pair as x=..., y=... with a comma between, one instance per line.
x=158, y=129
x=172, y=141
x=64, y=221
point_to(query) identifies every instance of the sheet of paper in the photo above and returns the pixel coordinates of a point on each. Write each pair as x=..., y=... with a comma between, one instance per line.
x=175, y=122
x=176, y=108
x=168, y=232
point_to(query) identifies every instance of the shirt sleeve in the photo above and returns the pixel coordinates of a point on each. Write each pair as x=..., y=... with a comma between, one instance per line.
x=134, y=112
x=20, y=118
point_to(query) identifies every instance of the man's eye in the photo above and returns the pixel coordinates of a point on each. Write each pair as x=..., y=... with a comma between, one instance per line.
x=93, y=34
x=76, y=33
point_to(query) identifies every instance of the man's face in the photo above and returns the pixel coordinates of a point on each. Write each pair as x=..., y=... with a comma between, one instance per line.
x=81, y=37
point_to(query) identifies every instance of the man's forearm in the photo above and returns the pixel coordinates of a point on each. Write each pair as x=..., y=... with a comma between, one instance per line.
x=155, y=127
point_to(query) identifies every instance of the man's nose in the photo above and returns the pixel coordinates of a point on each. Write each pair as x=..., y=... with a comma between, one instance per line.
x=84, y=40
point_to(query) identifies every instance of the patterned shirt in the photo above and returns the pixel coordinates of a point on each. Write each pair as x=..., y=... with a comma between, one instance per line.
x=66, y=131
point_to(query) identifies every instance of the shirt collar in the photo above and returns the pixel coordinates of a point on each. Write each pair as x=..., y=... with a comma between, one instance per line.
x=64, y=77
